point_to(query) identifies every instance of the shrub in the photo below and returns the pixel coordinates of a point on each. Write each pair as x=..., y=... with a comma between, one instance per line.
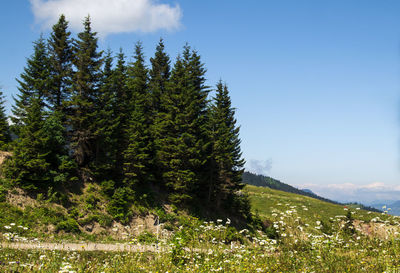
x=68, y=225
x=91, y=201
x=120, y=204
x=108, y=187
x=146, y=237
x=3, y=193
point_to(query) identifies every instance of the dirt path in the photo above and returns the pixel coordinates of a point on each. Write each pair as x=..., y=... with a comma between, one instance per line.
x=87, y=246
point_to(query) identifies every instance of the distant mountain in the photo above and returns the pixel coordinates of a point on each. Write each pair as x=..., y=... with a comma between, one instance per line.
x=392, y=207
x=266, y=181
x=308, y=190
x=361, y=206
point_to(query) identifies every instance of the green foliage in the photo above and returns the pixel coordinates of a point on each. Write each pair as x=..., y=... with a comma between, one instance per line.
x=226, y=163
x=5, y=137
x=28, y=166
x=56, y=197
x=119, y=206
x=137, y=160
x=145, y=135
x=83, y=105
x=60, y=66
x=103, y=219
x=33, y=84
x=68, y=225
x=177, y=254
x=108, y=187
x=3, y=193
x=91, y=201
x=146, y=237
x=181, y=137
x=165, y=217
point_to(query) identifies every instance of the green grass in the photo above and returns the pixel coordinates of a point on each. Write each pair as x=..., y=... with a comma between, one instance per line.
x=312, y=236
x=267, y=202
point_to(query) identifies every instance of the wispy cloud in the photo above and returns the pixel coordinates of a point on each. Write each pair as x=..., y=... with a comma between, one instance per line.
x=110, y=16
x=259, y=166
x=348, y=192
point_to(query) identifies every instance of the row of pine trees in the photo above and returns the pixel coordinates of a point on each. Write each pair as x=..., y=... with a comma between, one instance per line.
x=83, y=115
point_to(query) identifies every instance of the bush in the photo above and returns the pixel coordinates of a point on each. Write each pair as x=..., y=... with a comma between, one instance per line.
x=91, y=201
x=146, y=237
x=108, y=187
x=69, y=225
x=3, y=193
x=120, y=204
x=178, y=251
x=104, y=220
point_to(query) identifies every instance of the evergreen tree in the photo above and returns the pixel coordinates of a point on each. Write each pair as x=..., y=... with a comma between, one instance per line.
x=60, y=51
x=107, y=122
x=4, y=128
x=181, y=130
x=159, y=75
x=226, y=160
x=85, y=95
x=121, y=110
x=137, y=160
x=33, y=82
x=28, y=166
x=62, y=167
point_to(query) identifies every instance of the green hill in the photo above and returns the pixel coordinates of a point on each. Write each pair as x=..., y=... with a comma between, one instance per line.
x=266, y=181
x=270, y=204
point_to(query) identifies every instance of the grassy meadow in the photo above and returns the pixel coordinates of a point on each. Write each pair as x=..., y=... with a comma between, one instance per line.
x=301, y=235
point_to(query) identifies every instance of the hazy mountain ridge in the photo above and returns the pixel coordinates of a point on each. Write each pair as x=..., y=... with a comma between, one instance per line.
x=392, y=207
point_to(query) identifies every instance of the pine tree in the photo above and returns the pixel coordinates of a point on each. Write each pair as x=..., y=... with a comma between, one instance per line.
x=181, y=130
x=121, y=110
x=62, y=168
x=159, y=75
x=60, y=73
x=226, y=160
x=4, y=128
x=137, y=160
x=33, y=82
x=85, y=95
x=107, y=123
x=60, y=51
x=28, y=166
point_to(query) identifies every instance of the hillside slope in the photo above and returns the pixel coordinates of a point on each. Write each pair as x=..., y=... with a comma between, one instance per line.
x=272, y=205
x=266, y=181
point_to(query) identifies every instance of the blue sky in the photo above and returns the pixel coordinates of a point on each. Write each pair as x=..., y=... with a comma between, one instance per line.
x=315, y=83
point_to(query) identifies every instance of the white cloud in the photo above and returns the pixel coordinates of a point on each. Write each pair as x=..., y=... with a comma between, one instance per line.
x=259, y=166
x=109, y=16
